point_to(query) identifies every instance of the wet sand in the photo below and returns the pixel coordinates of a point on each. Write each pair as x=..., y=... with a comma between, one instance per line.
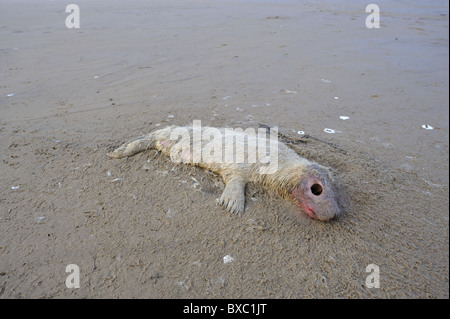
x=144, y=227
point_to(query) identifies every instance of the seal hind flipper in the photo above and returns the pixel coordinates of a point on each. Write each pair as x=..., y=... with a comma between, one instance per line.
x=233, y=196
x=130, y=148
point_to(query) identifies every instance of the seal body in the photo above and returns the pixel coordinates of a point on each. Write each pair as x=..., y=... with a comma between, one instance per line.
x=306, y=183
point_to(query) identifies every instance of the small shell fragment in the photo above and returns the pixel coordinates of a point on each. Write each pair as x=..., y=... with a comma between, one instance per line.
x=170, y=213
x=288, y=92
x=343, y=117
x=11, y=94
x=329, y=130
x=427, y=127
x=227, y=259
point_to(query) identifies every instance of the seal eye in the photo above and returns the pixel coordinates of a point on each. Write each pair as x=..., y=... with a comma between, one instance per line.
x=316, y=189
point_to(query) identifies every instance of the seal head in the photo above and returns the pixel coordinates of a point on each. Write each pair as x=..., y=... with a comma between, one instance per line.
x=315, y=194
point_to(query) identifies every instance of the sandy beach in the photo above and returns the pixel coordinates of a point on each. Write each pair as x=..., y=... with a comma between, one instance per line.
x=374, y=102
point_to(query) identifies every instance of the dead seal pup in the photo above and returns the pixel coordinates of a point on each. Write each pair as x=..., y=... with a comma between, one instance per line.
x=306, y=183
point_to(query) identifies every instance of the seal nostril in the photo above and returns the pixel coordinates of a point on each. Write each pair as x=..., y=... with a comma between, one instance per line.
x=316, y=189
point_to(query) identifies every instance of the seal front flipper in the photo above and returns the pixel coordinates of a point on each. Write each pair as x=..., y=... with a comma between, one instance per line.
x=233, y=196
x=130, y=148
